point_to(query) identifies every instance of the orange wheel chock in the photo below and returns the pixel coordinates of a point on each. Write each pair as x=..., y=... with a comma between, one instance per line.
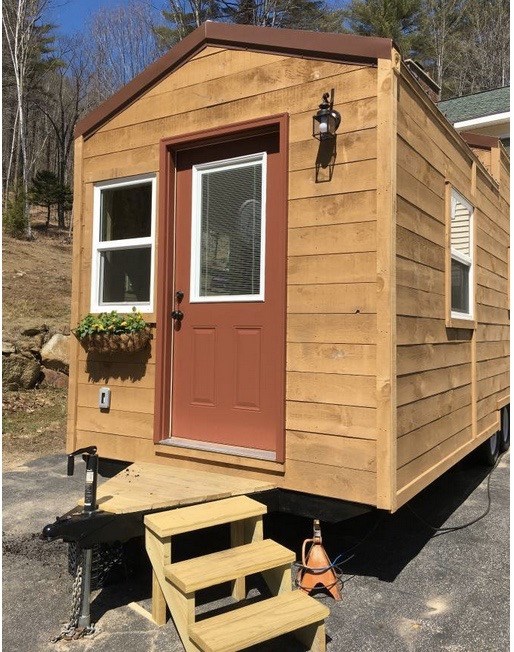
x=317, y=570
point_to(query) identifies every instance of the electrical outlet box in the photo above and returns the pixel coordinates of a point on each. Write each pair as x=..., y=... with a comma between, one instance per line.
x=104, y=398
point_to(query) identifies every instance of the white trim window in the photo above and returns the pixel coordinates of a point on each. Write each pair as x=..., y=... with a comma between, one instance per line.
x=122, y=274
x=228, y=230
x=461, y=245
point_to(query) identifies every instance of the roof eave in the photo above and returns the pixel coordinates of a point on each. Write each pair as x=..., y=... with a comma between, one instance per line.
x=315, y=45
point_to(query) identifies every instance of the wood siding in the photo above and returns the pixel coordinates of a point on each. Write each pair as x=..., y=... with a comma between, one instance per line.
x=331, y=407
x=450, y=380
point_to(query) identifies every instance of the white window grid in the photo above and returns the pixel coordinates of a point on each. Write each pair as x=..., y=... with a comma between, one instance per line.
x=100, y=246
x=460, y=257
x=196, y=230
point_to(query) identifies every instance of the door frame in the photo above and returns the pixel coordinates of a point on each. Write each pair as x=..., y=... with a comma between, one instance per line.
x=169, y=148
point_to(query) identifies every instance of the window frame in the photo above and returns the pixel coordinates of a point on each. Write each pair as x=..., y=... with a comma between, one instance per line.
x=454, y=318
x=196, y=215
x=99, y=246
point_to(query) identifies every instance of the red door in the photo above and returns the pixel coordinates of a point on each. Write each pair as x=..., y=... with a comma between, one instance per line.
x=229, y=335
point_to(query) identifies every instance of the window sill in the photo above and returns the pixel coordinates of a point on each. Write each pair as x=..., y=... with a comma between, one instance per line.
x=461, y=322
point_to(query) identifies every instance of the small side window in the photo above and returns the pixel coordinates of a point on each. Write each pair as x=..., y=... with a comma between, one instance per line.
x=461, y=255
x=123, y=245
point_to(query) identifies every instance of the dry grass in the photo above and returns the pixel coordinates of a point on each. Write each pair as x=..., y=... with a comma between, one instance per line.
x=36, y=290
x=36, y=282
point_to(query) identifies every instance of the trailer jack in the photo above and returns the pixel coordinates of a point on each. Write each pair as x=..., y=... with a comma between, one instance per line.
x=80, y=620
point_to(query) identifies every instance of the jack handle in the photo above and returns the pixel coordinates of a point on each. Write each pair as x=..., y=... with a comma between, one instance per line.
x=88, y=450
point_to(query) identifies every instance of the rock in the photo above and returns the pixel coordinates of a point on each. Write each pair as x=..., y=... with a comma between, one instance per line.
x=29, y=346
x=20, y=372
x=55, y=354
x=8, y=348
x=54, y=378
x=35, y=330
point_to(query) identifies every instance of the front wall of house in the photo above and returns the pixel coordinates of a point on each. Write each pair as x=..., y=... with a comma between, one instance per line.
x=451, y=381
x=331, y=274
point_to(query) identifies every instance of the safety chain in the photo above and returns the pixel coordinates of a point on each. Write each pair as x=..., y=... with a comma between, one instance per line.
x=71, y=631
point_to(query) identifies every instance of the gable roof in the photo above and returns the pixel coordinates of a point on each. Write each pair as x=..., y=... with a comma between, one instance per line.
x=478, y=105
x=347, y=48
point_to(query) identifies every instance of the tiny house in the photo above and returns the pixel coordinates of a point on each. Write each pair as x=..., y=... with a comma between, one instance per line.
x=329, y=311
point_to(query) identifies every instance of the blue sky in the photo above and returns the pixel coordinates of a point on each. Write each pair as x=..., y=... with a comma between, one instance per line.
x=70, y=15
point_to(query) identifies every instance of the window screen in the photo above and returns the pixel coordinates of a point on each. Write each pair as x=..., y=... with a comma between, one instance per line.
x=229, y=227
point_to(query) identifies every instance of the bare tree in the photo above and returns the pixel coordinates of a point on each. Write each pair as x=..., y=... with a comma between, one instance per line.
x=122, y=43
x=486, y=62
x=442, y=24
x=23, y=39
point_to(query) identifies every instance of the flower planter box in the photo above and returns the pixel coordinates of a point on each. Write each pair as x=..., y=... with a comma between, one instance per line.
x=114, y=343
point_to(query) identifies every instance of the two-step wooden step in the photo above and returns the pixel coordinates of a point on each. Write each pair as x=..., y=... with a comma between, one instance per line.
x=263, y=621
x=288, y=611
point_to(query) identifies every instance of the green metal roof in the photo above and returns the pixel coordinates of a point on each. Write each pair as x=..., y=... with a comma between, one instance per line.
x=478, y=105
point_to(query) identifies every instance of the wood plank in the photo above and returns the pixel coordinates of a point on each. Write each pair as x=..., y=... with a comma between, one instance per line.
x=332, y=328
x=492, y=332
x=78, y=194
x=419, y=441
x=258, y=622
x=490, y=350
x=352, y=177
x=417, y=330
x=356, y=298
x=116, y=164
x=331, y=450
x=251, y=82
x=118, y=374
x=342, y=420
x=123, y=399
x=139, y=424
x=494, y=385
x=489, y=368
x=489, y=297
x=332, y=209
x=192, y=575
x=352, y=359
x=431, y=408
x=353, y=146
x=433, y=457
x=420, y=357
x=411, y=217
x=423, y=480
x=331, y=481
x=331, y=388
x=386, y=362
x=412, y=274
x=414, y=247
x=416, y=386
x=411, y=161
x=208, y=514
x=332, y=239
x=419, y=195
x=330, y=268
x=412, y=302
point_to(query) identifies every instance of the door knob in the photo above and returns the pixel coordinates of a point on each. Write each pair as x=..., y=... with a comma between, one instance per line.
x=178, y=315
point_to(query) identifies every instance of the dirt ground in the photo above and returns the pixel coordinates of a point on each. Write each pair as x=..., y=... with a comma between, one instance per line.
x=36, y=281
x=33, y=425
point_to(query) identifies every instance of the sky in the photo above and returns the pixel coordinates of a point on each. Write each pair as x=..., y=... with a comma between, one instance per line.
x=70, y=15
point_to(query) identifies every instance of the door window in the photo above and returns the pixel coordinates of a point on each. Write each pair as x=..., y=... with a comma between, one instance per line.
x=228, y=229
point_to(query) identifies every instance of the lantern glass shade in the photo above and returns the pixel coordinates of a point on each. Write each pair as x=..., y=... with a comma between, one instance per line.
x=324, y=124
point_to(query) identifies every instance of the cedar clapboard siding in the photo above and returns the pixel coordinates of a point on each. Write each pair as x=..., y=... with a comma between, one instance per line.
x=450, y=380
x=331, y=397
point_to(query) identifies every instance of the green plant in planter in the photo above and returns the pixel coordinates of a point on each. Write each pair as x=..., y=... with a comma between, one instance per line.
x=110, y=323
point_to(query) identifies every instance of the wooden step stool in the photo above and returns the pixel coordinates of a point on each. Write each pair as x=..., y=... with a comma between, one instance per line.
x=175, y=584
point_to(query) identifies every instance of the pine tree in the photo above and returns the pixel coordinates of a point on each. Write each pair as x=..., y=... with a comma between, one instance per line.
x=396, y=19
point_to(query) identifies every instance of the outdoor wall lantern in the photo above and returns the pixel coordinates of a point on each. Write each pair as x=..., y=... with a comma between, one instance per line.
x=326, y=121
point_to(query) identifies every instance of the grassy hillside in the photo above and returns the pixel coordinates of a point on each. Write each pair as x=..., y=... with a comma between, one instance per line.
x=36, y=290
x=36, y=282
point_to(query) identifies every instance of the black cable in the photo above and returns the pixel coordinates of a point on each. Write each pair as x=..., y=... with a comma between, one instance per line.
x=454, y=528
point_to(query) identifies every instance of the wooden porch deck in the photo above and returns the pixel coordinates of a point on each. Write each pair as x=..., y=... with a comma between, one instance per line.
x=145, y=486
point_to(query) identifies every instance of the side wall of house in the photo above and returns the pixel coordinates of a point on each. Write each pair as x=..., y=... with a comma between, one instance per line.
x=332, y=268
x=451, y=381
